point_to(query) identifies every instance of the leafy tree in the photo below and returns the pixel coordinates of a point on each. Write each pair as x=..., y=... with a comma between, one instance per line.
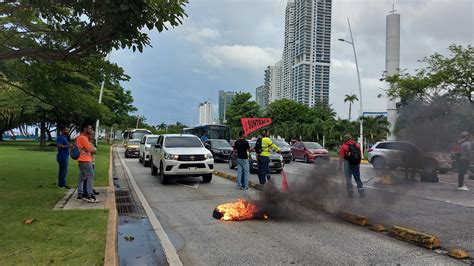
x=241, y=107
x=60, y=30
x=351, y=99
x=376, y=127
x=450, y=76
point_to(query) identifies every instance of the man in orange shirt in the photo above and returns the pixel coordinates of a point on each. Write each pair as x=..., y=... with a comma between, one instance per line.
x=86, y=170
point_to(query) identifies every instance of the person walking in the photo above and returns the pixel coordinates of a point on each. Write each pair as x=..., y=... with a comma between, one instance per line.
x=242, y=147
x=86, y=170
x=350, y=157
x=263, y=156
x=464, y=161
x=63, y=157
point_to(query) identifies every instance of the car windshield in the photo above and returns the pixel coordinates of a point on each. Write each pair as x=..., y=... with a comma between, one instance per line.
x=182, y=142
x=220, y=143
x=151, y=140
x=133, y=142
x=281, y=143
x=312, y=145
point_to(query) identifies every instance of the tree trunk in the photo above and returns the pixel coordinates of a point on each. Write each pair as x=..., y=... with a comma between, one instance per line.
x=350, y=106
x=1, y=135
x=43, y=131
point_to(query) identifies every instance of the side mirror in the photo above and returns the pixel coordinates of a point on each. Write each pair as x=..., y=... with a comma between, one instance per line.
x=158, y=146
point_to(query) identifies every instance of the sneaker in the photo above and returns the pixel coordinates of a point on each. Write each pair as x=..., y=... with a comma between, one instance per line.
x=240, y=188
x=245, y=188
x=92, y=199
x=79, y=197
x=463, y=188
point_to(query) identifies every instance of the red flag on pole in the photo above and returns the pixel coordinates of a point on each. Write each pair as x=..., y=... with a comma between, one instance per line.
x=284, y=183
x=251, y=124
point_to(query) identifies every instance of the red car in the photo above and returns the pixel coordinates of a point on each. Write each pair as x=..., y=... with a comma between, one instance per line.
x=310, y=152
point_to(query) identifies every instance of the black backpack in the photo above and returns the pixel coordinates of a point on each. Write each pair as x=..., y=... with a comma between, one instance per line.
x=353, y=154
x=258, y=146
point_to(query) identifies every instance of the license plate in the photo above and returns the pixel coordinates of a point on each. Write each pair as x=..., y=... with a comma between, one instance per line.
x=191, y=168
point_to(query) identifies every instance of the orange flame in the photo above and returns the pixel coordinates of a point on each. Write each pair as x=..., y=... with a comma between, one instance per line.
x=237, y=211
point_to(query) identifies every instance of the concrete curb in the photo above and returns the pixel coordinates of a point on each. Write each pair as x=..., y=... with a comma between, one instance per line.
x=458, y=254
x=354, y=218
x=111, y=246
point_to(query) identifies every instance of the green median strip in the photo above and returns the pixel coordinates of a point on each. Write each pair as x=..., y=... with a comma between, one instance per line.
x=28, y=191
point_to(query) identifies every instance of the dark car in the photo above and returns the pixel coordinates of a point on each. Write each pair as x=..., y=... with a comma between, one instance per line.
x=219, y=148
x=276, y=160
x=310, y=152
x=285, y=150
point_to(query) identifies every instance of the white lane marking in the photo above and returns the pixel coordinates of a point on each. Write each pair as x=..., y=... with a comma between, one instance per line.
x=170, y=251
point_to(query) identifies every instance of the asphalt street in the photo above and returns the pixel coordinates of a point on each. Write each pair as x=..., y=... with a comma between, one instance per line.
x=301, y=236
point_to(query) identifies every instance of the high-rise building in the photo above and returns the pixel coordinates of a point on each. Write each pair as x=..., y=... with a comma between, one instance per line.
x=275, y=82
x=306, y=52
x=261, y=96
x=205, y=113
x=225, y=98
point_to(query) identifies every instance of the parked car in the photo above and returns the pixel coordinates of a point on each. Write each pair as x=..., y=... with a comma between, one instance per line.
x=219, y=148
x=389, y=154
x=285, y=150
x=276, y=160
x=310, y=152
x=145, y=145
x=177, y=155
x=132, y=148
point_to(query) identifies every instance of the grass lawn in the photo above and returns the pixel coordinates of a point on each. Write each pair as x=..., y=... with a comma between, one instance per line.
x=28, y=190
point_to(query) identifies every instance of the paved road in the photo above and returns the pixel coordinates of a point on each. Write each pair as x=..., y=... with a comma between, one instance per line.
x=300, y=237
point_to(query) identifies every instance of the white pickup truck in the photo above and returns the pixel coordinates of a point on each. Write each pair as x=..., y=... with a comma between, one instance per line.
x=177, y=155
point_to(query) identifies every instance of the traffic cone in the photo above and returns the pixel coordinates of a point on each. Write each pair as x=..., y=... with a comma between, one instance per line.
x=284, y=183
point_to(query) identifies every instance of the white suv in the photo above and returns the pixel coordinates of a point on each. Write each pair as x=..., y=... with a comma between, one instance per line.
x=177, y=155
x=145, y=145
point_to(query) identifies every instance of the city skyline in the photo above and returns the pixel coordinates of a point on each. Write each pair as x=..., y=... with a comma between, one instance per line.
x=217, y=49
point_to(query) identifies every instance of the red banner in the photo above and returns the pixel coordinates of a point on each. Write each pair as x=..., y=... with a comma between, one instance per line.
x=251, y=124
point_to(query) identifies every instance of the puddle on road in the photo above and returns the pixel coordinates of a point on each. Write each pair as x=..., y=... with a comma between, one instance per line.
x=137, y=243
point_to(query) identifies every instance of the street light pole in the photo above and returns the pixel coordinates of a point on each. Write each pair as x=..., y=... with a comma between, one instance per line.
x=361, y=112
x=100, y=101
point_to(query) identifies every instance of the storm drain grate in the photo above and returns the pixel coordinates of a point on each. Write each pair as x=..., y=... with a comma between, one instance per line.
x=124, y=202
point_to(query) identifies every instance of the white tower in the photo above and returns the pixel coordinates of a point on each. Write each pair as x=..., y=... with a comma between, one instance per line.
x=392, y=63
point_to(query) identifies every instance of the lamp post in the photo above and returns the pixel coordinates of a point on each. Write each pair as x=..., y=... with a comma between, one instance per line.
x=100, y=101
x=361, y=113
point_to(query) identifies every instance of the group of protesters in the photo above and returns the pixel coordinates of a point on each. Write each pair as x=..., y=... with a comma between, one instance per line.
x=86, y=162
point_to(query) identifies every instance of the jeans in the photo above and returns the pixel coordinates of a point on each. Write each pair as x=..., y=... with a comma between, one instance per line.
x=86, y=183
x=463, y=166
x=263, y=169
x=86, y=175
x=63, y=165
x=353, y=170
x=243, y=173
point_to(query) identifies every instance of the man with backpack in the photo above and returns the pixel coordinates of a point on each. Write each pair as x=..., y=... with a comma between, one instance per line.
x=350, y=155
x=262, y=148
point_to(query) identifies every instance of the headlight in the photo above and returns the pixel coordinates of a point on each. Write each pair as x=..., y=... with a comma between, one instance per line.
x=209, y=156
x=217, y=151
x=171, y=156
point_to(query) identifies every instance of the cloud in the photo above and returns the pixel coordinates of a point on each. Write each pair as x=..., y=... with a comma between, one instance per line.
x=248, y=57
x=202, y=35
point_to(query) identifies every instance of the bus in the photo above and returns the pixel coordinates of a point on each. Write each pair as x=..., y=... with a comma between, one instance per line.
x=135, y=134
x=213, y=131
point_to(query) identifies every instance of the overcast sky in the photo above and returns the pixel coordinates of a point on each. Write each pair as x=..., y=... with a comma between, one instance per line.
x=227, y=44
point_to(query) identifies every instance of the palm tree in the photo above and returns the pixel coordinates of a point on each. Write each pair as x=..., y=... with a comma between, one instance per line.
x=351, y=99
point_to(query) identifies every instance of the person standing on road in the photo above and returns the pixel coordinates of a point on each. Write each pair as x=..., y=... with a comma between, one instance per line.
x=63, y=157
x=86, y=170
x=464, y=160
x=242, y=147
x=263, y=158
x=350, y=156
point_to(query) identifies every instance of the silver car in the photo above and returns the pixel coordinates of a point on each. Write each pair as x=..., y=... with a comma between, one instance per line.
x=389, y=154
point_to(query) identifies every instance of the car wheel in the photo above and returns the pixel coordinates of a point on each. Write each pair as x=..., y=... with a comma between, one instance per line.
x=443, y=171
x=163, y=178
x=293, y=157
x=231, y=165
x=126, y=154
x=207, y=178
x=306, y=159
x=146, y=163
x=154, y=170
x=378, y=163
x=288, y=161
x=140, y=159
x=278, y=171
